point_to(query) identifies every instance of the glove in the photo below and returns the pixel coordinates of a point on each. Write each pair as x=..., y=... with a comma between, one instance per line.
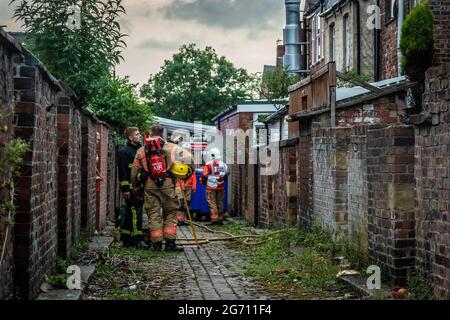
x=143, y=176
x=204, y=180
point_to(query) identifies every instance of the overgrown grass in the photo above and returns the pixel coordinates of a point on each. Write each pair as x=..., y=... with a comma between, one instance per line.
x=119, y=293
x=308, y=272
x=81, y=246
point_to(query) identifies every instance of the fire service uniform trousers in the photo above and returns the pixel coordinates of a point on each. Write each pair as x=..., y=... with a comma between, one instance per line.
x=163, y=225
x=215, y=204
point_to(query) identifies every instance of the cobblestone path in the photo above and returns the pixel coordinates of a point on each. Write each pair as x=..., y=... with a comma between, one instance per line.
x=212, y=273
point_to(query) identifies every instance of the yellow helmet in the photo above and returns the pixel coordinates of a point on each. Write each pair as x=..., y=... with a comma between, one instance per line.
x=181, y=171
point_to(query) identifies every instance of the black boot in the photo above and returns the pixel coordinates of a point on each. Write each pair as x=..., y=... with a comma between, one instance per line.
x=140, y=245
x=171, y=246
x=157, y=246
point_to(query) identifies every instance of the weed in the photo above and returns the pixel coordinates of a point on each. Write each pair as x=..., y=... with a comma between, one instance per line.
x=61, y=265
x=81, y=246
x=378, y=295
x=419, y=285
x=103, y=271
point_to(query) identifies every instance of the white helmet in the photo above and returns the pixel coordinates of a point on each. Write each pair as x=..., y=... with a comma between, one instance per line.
x=215, y=154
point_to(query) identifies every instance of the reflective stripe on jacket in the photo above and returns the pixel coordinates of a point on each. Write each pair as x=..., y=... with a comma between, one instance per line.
x=216, y=172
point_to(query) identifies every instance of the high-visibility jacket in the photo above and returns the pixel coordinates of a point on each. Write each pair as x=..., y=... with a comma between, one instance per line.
x=190, y=183
x=215, y=172
x=125, y=158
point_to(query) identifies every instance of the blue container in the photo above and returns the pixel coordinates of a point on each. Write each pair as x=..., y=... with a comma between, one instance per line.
x=198, y=198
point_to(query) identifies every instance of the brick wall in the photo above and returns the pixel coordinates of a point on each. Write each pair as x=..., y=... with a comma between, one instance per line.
x=112, y=184
x=357, y=188
x=329, y=156
x=284, y=189
x=102, y=166
x=305, y=179
x=36, y=218
x=388, y=42
x=432, y=170
x=69, y=175
x=441, y=33
x=8, y=52
x=88, y=174
x=240, y=198
x=390, y=167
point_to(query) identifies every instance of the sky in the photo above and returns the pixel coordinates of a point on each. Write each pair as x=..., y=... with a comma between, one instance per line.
x=244, y=31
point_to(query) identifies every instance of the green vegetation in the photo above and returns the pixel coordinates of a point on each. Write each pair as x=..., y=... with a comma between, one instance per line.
x=275, y=84
x=419, y=285
x=416, y=41
x=355, y=253
x=85, y=56
x=10, y=163
x=309, y=271
x=78, y=56
x=117, y=103
x=352, y=73
x=81, y=246
x=196, y=85
x=119, y=293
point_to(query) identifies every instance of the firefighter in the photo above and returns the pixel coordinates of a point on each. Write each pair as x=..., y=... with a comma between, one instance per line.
x=213, y=176
x=188, y=186
x=151, y=168
x=131, y=229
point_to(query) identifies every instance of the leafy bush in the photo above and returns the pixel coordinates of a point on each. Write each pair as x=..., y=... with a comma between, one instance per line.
x=117, y=103
x=419, y=285
x=416, y=43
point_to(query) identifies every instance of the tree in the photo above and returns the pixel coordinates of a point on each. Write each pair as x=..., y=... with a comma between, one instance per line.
x=275, y=84
x=78, y=55
x=196, y=85
x=416, y=42
x=117, y=103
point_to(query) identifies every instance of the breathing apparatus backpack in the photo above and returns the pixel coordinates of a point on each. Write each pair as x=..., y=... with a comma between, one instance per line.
x=156, y=161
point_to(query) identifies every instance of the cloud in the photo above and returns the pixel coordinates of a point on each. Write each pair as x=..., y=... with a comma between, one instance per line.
x=257, y=15
x=158, y=44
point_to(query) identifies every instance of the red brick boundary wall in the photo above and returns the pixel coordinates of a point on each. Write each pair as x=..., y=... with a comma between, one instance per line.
x=56, y=191
x=36, y=227
x=88, y=174
x=69, y=175
x=9, y=50
x=432, y=171
x=102, y=166
x=390, y=175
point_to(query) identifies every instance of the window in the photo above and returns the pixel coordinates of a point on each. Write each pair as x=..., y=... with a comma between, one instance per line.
x=391, y=10
x=346, y=40
x=318, y=39
x=332, y=43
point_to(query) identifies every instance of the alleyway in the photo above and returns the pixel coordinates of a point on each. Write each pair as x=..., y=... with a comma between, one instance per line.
x=215, y=272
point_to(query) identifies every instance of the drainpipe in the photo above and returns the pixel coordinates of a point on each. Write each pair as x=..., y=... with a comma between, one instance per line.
x=400, y=18
x=358, y=35
x=376, y=64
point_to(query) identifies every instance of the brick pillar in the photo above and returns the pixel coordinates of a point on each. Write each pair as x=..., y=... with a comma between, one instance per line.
x=390, y=166
x=69, y=175
x=88, y=174
x=36, y=216
x=330, y=148
x=102, y=167
x=305, y=176
x=432, y=170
